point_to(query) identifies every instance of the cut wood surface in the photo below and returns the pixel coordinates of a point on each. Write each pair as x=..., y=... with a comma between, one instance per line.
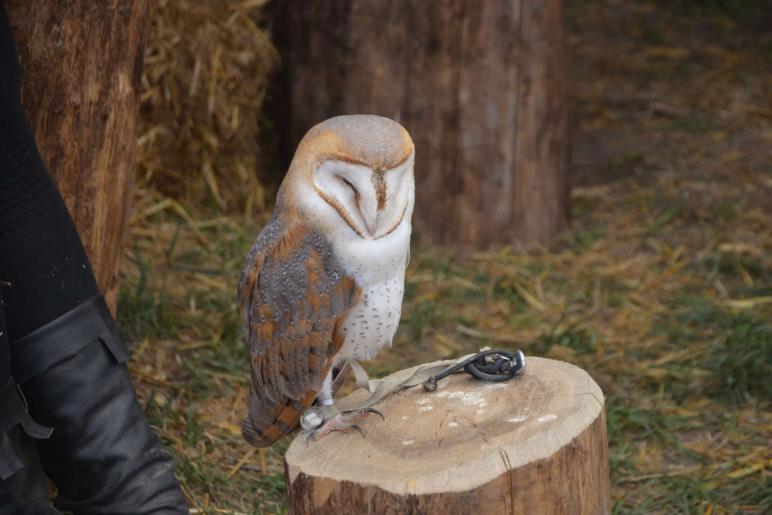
x=534, y=444
x=81, y=64
x=480, y=86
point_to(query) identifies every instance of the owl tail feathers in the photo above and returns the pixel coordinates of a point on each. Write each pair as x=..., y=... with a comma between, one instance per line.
x=267, y=421
x=254, y=436
x=261, y=427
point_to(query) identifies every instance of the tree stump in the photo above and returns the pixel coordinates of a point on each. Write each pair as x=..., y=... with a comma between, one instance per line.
x=534, y=444
x=480, y=86
x=81, y=64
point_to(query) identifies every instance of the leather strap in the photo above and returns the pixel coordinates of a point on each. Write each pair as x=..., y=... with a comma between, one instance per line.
x=64, y=337
x=504, y=365
x=379, y=389
x=13, y=411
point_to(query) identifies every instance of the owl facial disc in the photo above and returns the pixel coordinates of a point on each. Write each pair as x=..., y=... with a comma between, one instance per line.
x=371, y=202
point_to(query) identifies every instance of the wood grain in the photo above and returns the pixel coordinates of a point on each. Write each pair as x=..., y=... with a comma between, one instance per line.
x=535, y=444
x=81, y=65
x=480, y=86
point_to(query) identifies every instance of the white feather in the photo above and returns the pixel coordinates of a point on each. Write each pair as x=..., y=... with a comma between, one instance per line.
x=377, y=263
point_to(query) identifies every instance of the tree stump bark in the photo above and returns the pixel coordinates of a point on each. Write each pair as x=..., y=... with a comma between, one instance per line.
x=81, y=66
x=534, y=444
x=480, y=87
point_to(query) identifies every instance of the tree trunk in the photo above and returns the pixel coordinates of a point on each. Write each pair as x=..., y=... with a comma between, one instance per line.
x=81, y=64
x=534, y=444
x=480, y=87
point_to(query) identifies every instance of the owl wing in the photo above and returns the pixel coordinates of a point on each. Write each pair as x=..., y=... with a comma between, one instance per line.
x=294, y=297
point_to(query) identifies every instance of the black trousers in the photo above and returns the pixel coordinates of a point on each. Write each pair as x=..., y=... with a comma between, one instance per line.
x=44, y=270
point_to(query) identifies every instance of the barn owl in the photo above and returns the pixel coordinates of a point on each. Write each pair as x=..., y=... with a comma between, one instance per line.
x=323, y=282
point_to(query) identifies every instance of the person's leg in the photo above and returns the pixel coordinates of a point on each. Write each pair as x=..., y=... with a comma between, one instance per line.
x=43, y=266
x=23, y=486
x=67, y=354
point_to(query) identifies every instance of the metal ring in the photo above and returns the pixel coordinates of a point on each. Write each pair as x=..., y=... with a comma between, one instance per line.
x=312, y=419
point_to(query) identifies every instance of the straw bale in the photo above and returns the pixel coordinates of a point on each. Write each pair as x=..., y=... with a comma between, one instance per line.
x=206, y=68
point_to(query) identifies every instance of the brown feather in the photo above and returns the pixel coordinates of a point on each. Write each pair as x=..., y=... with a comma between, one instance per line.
x=297, y=297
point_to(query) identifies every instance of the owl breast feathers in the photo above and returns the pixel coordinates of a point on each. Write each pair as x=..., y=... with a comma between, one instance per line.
x=323, y=282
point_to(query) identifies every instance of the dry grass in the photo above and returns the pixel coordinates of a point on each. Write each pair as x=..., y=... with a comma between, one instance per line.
x=663, y=292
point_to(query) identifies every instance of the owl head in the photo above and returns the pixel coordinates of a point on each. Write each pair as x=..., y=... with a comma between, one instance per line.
x=353, y=174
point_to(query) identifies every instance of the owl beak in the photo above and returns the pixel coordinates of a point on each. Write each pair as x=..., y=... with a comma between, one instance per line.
x=370, y=216
x=375, y=206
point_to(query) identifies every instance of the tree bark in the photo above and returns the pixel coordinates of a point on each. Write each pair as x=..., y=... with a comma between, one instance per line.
x=534, y=444
x=81, y=65
x=480, y=87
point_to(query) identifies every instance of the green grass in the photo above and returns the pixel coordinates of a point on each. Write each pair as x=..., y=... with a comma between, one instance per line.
x=740, y=360
x=698, y=123
x=578, y=341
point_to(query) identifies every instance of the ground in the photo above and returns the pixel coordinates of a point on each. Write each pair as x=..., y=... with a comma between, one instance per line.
x=663, y=290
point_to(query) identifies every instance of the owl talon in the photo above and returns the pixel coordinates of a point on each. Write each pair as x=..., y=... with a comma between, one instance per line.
x=346, y=421
x=363, y=413
x=358, y=429
x=373, y=410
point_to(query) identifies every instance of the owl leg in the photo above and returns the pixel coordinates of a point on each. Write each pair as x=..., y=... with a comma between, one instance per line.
x=325, y=394
x=346, y=422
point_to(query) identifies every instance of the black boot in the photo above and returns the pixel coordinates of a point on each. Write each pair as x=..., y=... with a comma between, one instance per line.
x=23, y=485
x=102, y=456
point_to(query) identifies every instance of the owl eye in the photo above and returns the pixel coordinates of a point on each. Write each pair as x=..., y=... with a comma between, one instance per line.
x=344, y=186
x=353, y=189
